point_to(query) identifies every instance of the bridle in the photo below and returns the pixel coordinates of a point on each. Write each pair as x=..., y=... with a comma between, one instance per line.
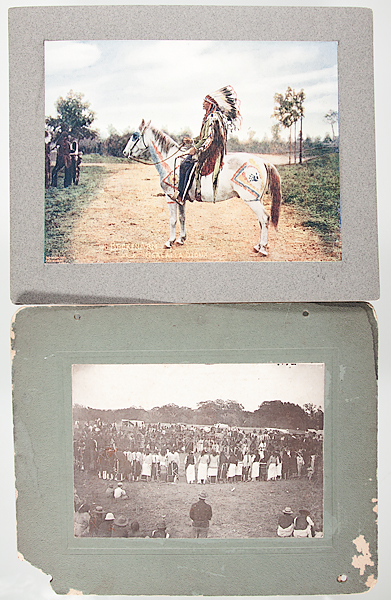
x=138, y=160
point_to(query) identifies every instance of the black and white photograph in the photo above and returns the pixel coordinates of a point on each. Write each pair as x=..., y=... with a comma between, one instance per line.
x=198, y=450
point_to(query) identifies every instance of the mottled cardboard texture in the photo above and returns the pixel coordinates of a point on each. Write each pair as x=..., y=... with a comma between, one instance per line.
x=48, y=340
x=354, y=278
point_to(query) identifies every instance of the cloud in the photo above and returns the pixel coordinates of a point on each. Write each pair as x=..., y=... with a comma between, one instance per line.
x=166, y=81
x=69, y=56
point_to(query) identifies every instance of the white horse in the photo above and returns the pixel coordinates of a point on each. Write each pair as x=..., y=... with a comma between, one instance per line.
x=243, y=175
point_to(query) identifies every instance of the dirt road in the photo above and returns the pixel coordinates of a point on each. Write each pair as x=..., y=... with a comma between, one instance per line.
x=129, y=222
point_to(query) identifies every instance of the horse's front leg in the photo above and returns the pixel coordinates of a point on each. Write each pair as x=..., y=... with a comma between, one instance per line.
x=263, y=219
x=172, y=208
x=182, y=219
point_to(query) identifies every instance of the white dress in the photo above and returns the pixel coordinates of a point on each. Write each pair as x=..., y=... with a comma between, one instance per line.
x=255, y=470
x=203, y=468
x=147, y=466
x=213, y=466
x=190, y=473
x=272, y=471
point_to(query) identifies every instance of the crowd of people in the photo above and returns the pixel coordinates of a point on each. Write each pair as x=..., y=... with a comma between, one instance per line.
x=170, y=452
x=99, y=523
x=96, y=522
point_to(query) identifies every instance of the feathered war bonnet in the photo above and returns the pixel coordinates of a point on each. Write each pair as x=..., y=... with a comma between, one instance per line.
x=227, y=102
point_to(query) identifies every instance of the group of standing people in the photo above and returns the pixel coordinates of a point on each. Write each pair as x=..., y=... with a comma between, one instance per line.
x=169, y=453
x=68, y=158
x=224, y=467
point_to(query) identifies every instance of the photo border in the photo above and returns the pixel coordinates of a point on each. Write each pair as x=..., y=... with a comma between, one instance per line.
x=355, y=277
x=48, y=340
x=327, y=356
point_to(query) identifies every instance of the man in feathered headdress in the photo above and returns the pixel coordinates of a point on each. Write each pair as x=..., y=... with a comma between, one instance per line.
x=208, y=149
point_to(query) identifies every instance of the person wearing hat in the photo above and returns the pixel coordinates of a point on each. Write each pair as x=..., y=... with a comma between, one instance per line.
x=201, y=514
x=205, y=157
x=105, y=529
x=119, y=492
x=82, y=521
x=97, y=517
x=303, y=525
x=160, y=531
x=120, y=527
x=285, y=523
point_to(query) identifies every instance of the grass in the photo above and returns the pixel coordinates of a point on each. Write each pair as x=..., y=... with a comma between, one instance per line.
x=241, y=510
x=313, y=188
x=63, y=206
x=98, y=158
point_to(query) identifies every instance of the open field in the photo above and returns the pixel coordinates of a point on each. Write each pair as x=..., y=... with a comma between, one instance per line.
x=119, y=214
x=240, y=510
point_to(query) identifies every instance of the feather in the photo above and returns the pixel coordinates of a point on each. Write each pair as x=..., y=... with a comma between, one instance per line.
x=229, y=105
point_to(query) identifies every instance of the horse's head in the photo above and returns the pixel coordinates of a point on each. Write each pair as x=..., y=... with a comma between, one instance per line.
x=137, y=143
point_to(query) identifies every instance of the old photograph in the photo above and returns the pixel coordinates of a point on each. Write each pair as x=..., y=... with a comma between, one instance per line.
x=191, y=151
x=198, y=450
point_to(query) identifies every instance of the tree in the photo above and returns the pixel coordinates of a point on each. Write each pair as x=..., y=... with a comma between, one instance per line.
x=332, y=118
x=282, y=112
x=73, y=117
x=299, y=101
x=288, y=110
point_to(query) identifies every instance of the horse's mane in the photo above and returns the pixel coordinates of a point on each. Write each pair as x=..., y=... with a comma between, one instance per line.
x=163, y=140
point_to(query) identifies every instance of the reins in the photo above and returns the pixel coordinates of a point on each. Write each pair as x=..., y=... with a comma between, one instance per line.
x=138, y=160
x=142, y=162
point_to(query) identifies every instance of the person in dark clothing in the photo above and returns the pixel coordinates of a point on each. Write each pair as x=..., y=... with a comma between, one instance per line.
x=48, y=138
x=105, y=529
x=120, y=527
x=63, y=160
x=303, y=525
x=160, y=531
x=97, y=518
x=286, y=523
x=201, y=514
x=134, y=530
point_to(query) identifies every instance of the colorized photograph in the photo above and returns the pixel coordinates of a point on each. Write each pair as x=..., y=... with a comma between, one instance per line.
x=198, y=450
x=191, y=151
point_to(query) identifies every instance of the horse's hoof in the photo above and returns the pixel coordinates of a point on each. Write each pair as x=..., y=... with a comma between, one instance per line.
x=258, y=250
x=167, y=246
x=180, y=241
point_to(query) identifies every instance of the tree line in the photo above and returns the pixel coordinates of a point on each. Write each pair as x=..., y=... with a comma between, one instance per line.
x=271, y=414
x=75, y=117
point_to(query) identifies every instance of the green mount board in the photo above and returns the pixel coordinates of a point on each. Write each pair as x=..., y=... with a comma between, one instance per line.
x=48, y=340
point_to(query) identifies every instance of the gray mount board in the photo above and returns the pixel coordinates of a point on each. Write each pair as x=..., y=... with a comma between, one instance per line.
x=353, y=278
x=46, y=341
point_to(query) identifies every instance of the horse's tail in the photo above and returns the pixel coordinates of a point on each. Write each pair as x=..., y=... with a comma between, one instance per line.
x=275, y=191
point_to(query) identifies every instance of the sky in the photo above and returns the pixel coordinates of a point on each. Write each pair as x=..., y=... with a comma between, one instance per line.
x=165, y=81
x=121, y=386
